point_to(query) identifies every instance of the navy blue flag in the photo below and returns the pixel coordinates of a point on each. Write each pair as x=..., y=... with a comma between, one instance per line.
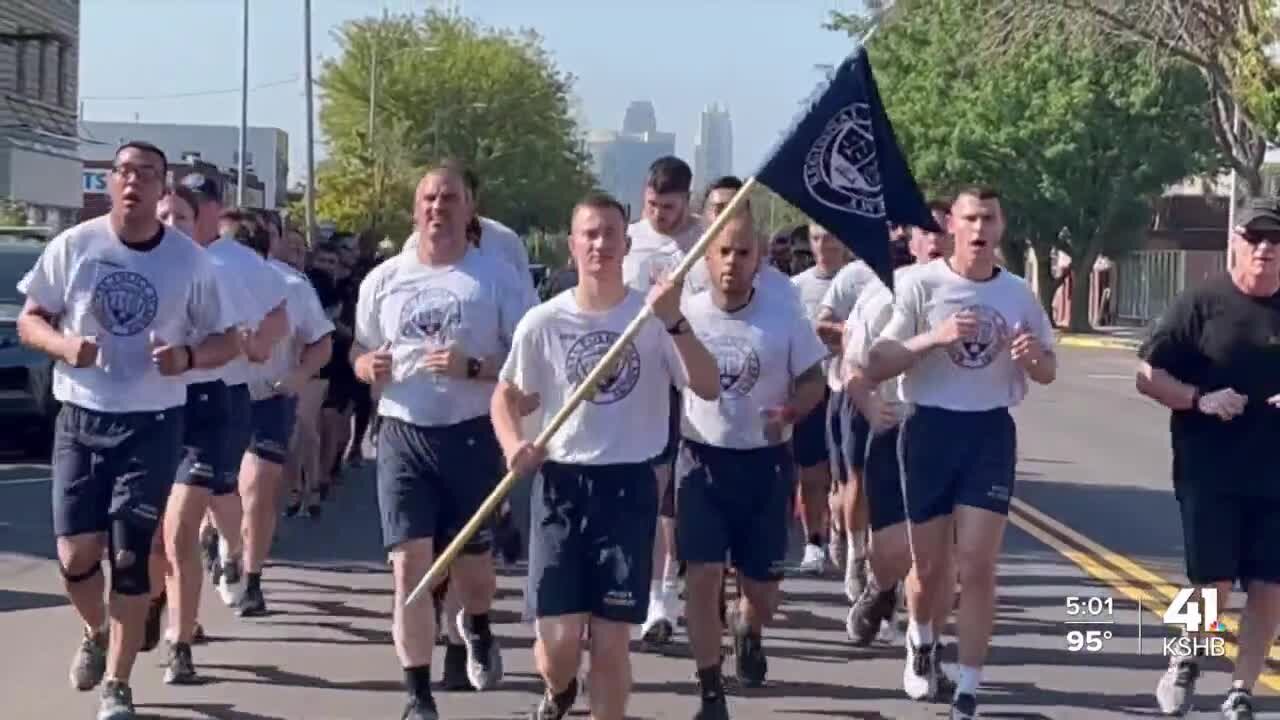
x=840, y=165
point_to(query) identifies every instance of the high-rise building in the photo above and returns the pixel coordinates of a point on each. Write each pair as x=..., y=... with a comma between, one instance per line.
x=713, y=153
x=620, y=160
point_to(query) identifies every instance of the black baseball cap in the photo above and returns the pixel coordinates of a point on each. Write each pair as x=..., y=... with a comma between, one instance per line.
x=1260, y=215
x=206, y=188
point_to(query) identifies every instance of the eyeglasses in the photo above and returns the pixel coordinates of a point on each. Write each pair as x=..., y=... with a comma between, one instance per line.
x=145, y=173
x=1257, y=238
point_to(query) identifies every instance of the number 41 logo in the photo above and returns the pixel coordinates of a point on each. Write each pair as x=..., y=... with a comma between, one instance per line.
x=1186, y=612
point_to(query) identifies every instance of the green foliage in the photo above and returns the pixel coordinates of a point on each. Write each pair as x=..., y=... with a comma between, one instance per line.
x=446, y=87
x=1078, y=138
x=12, y=213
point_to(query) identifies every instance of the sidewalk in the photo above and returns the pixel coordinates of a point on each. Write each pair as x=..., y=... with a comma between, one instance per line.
x=1114, y=337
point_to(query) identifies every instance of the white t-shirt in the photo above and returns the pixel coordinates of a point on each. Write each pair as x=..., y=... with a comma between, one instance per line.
x=255, y=290
x=812, y=287
x=869, y=317
x=653, y=254
x=418, y=309
x=972, y=374
x=499, y=241
x=308, y=323
x=556, y=347
x=125, y=298
x=760, y=350
x=842, y=294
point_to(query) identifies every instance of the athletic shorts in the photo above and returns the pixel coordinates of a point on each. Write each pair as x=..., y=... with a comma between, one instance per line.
x=952, y=458
x=882, y=481
x=431, y=480
x=667, y=503
x=854, y=439
x=273, y=427
x=737, y=502
x=238, y=435
x=591, y=541
x=668, y=454
x=204, y=461
x=809, y=439
x=108, y=465
x=835, y=436
x=341, y=393
x=1228, y=537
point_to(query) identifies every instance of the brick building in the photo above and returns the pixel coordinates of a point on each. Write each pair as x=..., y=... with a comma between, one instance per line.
x=39, y=137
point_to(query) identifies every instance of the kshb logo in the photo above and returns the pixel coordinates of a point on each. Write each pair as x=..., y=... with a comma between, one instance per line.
x=1198, y=620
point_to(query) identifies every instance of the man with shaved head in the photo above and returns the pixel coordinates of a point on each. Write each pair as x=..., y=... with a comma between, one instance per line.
x=735, y=478
x=432, y=329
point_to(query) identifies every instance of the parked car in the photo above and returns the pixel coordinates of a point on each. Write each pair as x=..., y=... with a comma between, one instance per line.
x=26, y=376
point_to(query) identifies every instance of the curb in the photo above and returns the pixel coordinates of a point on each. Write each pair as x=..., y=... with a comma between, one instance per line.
x=1107, y=343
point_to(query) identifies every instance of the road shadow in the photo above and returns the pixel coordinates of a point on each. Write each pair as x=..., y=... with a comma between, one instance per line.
x=15, y=600
x=213, y=711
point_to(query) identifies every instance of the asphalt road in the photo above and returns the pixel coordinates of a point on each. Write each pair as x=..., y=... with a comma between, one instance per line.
x=1095, y=518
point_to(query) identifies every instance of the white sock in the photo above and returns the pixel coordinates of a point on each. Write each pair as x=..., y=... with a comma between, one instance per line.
x=969, y=680
x=858, y=541
x=224, y=548
x=921, y=635
x=655, y=588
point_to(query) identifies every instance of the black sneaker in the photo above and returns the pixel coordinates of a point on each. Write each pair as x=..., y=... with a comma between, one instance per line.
x=179, y=667
x=713, y=709
x=292, y=510
x=873, y=607
x=314, y=511
x=455, y=668
x=151, y=635
x=964, y=707
x=253, y=604
x=484, y=657
x=420, y=709
x=1238, y=705
x=555, y=707
x=749, y=657
x=117, y=702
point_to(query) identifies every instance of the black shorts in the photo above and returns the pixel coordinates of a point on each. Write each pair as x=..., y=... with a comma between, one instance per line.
x=591, y=541
x=667, y=503
x=341, y=393
x=855, y=438
x=238, y=434
x=835, y=435
x=954, y=458
x=431, y=480
x=273, y=427
x=882, y=481
x=668, y=454
x=1228, y=537
x=737, y=502
x=105, y=465
x=809, y=439
x=204, y=461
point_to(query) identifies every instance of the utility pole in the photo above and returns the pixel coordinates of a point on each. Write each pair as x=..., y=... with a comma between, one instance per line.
x=244, y=103
x=311, y=144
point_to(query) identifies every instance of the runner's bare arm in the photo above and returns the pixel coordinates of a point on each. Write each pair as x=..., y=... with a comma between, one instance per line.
x=36, y=330
x=215, y=351
x=270, y=331
x=889, y=358
x=505, y=408
x=810, y=388
x=1164, y=388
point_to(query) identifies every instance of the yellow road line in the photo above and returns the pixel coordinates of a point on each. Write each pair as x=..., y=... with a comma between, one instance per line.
x=1161, y=592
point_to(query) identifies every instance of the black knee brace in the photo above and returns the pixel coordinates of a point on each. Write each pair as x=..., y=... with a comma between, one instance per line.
x=129, y=555
x=81, y=577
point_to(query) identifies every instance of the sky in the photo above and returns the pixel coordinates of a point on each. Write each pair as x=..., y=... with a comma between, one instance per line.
x=757, y=57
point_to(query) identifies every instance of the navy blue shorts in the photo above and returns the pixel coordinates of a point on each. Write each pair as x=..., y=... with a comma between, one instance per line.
x=204, y=461
x=1227, y=536
x=809, y=439
x=668, y=454
x=855, y=438
x=882, y=481
x=273, y=427
x=431, y=480
x=954, y=458
x=105, y=465
x=239, y=432
x=737, y=502
x=591, y=540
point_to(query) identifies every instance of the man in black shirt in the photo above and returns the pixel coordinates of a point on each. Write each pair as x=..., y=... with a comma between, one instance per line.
x=1214, y=360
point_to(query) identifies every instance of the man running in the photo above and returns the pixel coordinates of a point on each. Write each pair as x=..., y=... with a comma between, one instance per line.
x=127, y=307
x=432, y=330
x=595, y=501
x=1212, y=361
x=967, y=335
x=735, y=477
x=809, y=443
x=274, y=387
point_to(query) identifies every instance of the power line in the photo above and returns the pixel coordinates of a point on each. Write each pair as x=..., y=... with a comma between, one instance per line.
x=198, y=93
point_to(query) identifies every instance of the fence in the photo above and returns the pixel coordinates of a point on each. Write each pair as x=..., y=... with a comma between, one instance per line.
x=1147, y=281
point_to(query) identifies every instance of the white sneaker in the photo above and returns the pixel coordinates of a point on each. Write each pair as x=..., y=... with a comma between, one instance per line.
x=660, y=625
x=838, y=548
x=233, y=583
x=855, y=577
x=890, y=633
x=920, y=676
x=815, y=560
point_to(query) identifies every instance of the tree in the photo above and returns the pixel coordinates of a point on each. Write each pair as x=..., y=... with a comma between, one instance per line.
x=444, y=86
x=12, y=213
x=1231, y=43
x=1079, y=138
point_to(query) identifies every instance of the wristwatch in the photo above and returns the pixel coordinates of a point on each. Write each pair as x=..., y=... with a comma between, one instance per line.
x=473, y=368
x=681, y=326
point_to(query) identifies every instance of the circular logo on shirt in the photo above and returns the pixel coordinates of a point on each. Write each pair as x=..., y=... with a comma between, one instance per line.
x=980, y=349
x=738, y=362
x=841, y=170
x=433, y=314
x=124, y=303
x=585, y=354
